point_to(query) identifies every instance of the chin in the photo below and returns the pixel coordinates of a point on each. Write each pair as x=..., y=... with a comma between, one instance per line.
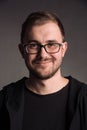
x=43, y=76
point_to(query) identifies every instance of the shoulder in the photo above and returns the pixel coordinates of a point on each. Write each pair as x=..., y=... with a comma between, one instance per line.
x=11, y=89
x=13, y=85
x=76, y=84
x=77, y=93
x=77, y=90
x=77, y=102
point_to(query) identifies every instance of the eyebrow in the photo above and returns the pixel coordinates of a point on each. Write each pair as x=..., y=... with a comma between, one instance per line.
x=40, y=42
x=32, y=41
x=52, y=41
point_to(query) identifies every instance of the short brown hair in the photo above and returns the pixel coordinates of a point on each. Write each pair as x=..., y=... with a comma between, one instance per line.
x=40, y=18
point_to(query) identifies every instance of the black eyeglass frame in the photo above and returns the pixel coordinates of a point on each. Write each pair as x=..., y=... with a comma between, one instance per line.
x=40, y=46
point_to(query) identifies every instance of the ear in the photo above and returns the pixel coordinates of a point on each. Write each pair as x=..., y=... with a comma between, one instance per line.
x=64, y=48
x=21, y=49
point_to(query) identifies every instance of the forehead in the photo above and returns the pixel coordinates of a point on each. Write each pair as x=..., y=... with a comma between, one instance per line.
x=47, y=31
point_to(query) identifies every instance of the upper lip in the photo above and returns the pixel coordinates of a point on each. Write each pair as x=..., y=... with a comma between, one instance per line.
x=42, y=61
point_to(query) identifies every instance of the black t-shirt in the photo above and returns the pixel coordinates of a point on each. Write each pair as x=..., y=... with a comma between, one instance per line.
x=45, y=112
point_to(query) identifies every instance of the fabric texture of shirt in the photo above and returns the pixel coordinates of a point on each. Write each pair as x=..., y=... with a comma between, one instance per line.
x=12, y=106
x=45, y=112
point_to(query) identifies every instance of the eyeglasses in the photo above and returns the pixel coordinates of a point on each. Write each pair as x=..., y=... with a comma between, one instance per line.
x=35, y=47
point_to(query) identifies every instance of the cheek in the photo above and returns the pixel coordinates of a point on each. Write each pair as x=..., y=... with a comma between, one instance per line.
x=61, y=54
x=29, y=59
x=58, y=58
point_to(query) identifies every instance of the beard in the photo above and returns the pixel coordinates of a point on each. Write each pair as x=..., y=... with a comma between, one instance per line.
x=43, y=76
x=41, y=72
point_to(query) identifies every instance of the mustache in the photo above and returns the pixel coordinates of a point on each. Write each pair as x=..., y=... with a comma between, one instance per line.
x=42, y=59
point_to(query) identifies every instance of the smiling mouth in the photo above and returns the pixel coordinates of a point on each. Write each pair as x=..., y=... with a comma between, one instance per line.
x=43, y=62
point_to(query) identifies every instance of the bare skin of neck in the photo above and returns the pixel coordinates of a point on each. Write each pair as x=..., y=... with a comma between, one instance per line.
x=48, y=86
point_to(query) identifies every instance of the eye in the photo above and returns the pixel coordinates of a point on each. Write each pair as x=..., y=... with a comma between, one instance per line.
x=33, y=45
x=52, y=45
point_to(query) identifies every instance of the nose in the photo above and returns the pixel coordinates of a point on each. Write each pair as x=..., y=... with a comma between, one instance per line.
x=43, y=52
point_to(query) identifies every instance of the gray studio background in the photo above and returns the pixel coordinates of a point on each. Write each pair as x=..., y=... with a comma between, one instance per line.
x=73, y=14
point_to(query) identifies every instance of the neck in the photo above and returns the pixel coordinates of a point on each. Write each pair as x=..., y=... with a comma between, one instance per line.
x=46, y=86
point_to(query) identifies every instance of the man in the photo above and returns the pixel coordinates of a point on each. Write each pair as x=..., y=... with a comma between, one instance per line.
x=46, y=100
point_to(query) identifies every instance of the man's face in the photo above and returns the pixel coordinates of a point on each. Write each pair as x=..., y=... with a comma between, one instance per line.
x=44, y=65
